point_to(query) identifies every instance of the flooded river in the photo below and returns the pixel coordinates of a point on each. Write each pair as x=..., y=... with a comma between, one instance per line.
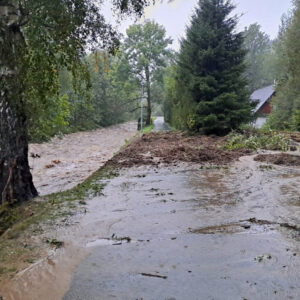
x=63, y=163
x=179, y=232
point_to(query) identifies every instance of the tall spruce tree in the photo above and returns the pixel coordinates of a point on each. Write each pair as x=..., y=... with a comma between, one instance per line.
x=211, y=87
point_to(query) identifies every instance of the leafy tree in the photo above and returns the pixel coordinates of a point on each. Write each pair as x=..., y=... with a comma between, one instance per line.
x=111, y=98
x=259, y=50
x=146, y=50
x=212, y=97
x=37, y=38
x=171, y=104
x=114, y=92
x=79, y=99
x=286, y=105
x=50, y=120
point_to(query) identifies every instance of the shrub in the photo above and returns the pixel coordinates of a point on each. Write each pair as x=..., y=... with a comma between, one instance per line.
x=258, y=139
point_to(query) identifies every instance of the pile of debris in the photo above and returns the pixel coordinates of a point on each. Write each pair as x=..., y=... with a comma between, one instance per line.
x=170, y=147
x=279, y=159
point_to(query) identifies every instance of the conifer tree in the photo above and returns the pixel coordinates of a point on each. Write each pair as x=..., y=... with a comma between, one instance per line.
x=211, y=87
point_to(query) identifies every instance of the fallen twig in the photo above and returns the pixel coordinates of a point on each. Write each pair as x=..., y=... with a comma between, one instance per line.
x=154, y=275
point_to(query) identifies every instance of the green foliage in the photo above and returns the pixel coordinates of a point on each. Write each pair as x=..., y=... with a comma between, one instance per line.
x=115, y=94
x=104, y=89
x=148, y=128
x=50, y=121
x=211, y=95
x=286, y=105
x=260, y=58
x=297, y=120
x=281, y=117
x=146, y=46
x=177, y=111
x=258, y=139
x=57, y=35
x=147, y=54
x=111, y=98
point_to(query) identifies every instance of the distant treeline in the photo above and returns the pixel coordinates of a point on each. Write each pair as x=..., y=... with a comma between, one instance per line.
x=205, y=87
x=107, y=88
x=102, y=95
x=202, y=92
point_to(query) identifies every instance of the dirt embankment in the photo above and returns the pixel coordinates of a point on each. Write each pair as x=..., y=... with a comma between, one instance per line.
x=172, y=147
x=279, y=159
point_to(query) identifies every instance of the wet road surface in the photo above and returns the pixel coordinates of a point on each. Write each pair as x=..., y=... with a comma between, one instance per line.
x=160, y=125
x=180, y=232
x=193, y=227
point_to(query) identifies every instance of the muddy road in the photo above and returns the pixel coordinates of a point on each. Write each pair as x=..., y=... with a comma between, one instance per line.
x=63, y=163
x=179, y=232
x=161, y=125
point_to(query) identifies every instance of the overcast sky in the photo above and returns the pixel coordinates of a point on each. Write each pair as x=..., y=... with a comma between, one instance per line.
x=175, y=16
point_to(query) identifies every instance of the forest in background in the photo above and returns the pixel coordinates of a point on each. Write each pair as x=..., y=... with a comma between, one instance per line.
x=111, y=91
x=267, y=62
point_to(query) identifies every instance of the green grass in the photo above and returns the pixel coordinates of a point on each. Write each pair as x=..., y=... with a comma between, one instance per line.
x=29, y=218
x=148, y=128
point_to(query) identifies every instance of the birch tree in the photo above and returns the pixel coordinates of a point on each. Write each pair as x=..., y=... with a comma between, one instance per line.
x=37, y=37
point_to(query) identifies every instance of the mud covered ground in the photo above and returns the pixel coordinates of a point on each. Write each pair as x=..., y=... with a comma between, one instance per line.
x=179, y=232
x=279, y=159
x=184, y=219
x=171, y=147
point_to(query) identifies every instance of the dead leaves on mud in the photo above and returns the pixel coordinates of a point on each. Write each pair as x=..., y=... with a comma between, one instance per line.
x=172, y=147
x=157, y=148
x=279, y=159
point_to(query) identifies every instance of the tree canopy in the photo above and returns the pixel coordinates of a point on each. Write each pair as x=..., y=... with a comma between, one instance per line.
x=260, y=58
x=286, y=112
x=38, y=38
x=146, y=51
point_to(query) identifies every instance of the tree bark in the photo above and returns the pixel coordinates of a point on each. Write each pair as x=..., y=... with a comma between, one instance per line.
x=15, y=178
x=148, y=87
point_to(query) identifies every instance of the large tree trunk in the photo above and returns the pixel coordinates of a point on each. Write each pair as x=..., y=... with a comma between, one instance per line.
x=148, y=87
x=15, y=177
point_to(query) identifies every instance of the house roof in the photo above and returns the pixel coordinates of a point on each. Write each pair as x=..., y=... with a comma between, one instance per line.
x=262, y=96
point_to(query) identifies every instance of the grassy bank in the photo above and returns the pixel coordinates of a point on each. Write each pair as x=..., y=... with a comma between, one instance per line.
x=148, y=128
x=18, y=223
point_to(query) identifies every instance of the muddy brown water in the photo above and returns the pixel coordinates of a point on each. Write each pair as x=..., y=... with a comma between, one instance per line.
x=63, y=163
x=183, y=232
